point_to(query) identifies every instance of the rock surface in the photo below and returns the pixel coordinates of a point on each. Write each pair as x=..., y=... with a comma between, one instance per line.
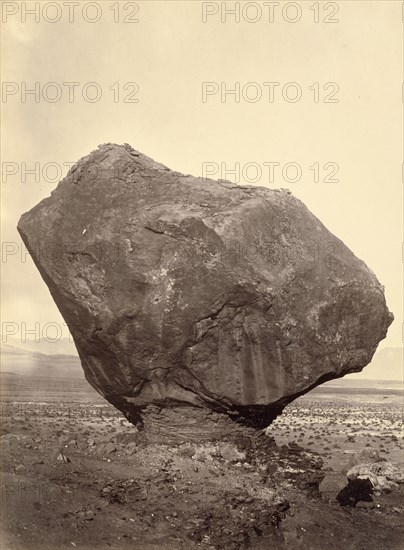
x=364, y=456
x=357, y=490
x=384, y=476
x=181, y=291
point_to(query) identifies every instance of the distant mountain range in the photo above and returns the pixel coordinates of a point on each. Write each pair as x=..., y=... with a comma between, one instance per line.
x=22, y=362
x=62, y=346
x=60, y=360
x=31, y=376
x=387, y=364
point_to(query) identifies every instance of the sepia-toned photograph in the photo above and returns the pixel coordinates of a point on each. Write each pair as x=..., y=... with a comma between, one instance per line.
x=202, y=275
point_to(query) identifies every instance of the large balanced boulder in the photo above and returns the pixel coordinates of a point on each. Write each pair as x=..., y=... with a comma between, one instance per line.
x=189, y=294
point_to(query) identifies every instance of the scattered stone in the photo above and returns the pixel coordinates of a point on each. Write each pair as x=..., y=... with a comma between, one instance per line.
x=85, y=515
x=187, y=450
x=63, y=458
x=106, y=449
x=355, y=491
x=385, y=476
x=122, y=491
x=81, y=444
x=131, y=448
x=205, y=453
x=364, y=456
x=9, y=439
x=365, y=505
x=229, y=453
x=124, y=438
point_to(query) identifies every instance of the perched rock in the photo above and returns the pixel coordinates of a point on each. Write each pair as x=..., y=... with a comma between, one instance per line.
x=183, y=291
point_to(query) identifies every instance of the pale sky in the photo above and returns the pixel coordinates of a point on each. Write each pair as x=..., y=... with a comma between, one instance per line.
x=169, y=53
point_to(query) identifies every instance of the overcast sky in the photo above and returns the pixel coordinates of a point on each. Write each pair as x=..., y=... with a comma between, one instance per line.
x=350, y=119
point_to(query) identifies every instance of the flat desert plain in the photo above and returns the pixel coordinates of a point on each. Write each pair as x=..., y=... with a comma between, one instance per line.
x=76, y=474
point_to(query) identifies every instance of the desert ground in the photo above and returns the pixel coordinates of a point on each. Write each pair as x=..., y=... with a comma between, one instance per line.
x=76, y=474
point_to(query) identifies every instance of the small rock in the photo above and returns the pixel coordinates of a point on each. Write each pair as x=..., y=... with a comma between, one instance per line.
x=85, y=515
x=126, y=438
x=365, y=505
x=106, y=449
x=230, y=453
x=384, y=475
x=131, y=448
x=63, y=458
x=355, y=491
x=109, y=448
x=187, y=451
x=364, y=456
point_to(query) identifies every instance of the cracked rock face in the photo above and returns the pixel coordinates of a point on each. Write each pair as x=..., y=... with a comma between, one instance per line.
x=225, y=299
